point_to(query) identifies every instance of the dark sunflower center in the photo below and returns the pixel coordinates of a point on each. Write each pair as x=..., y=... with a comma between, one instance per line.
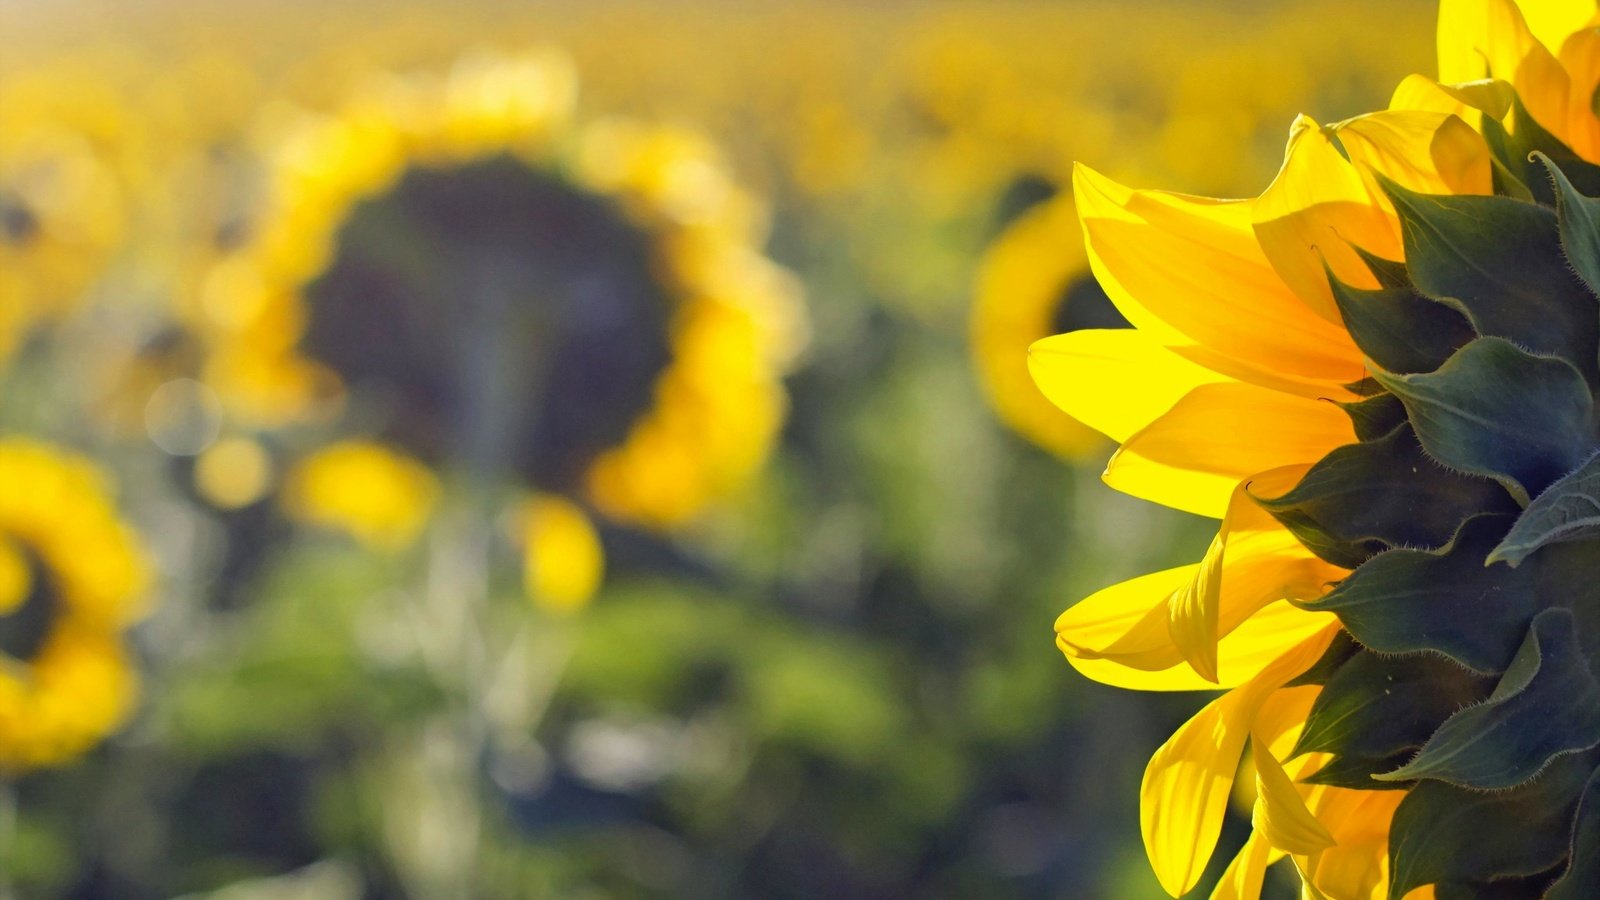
x=27, y=626
x=494, y=317
x=1084, y=304
x=18, y=223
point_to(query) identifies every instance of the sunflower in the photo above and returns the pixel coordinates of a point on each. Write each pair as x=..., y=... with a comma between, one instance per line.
x=72, y=576
x=63, y=191
x=594, y=319
x=1379, y=375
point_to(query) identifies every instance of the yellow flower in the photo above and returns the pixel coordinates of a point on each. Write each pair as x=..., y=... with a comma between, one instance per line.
x=563, y=561
x=63, y=197
x=1377, y=272
x=374, y=493
x=614, y=239
x=72, y=578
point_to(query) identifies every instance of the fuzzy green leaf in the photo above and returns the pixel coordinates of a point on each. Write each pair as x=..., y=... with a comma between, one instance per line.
x=1390, y=273
x=1444, y=601
x=1439, y=833
x=1338, y=653
x=1375, y=706
x=1581, y=881
x=1567, y=510
x=1493, y=409
x=1355, y=772
x=1499, y=261
x=1579, y=219
x=1399, y=329
x=1368, y=497
x=1547, y=704
x=1374, y=417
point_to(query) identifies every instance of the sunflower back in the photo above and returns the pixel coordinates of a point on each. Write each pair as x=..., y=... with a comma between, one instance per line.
x=1469, y=510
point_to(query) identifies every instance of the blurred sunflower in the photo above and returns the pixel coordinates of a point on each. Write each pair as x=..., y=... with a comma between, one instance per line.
x=453, y=267
x=72, y=576
x=63, y=197
x=1426, y=726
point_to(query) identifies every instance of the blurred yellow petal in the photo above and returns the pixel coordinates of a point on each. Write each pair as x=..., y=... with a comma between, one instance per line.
x=381, y=497
x=563, y=561
x=16, y=581
x=1185, y=790
x=1149, y=379
x=1194, y=456
x=1188, y=270
x=233, y=473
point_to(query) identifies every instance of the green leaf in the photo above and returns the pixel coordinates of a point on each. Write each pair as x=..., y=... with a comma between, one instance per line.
x=1568, y=510
x=1390, y=273
x=1365, y=498
x=1547, y=704
x=1581, y=881
x=1444, y=601
x=1355, y=772
x=1499, y=889
x=1499, y=261
x=1375, y=706
x=1579, y=220
x=1494, y=409
x=1366, y=387
x=1442, y=833
x=1338, y=653
x=1399, y=329
x=1374, y=417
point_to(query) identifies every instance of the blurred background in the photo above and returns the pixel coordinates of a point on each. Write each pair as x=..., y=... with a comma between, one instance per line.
x=585, y=449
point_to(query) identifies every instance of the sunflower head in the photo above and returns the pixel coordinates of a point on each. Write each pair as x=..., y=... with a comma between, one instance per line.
x=1380, y=375
x=454, y=267
x=72, y=579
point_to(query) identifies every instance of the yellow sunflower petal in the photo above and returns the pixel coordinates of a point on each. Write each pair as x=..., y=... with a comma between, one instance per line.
x=1281, y=812
x=1580, y=56
x=1119, y=636
x=1431, y=153
x=1194, y=456
x=1188, y=270
x=1326, y=200
x=1469, y=100
x=1358, y=867
x=1552, y=21
x=1149, y=378
x=1245, y=875
x=1185, y=790
x=1482, y=38
x=1316, y=207
x=1252, y=561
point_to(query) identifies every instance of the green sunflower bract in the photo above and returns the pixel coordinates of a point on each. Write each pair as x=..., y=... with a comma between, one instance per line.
x=1403, y=594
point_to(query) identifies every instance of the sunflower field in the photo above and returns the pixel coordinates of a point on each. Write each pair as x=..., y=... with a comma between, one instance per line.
x=638, y=449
